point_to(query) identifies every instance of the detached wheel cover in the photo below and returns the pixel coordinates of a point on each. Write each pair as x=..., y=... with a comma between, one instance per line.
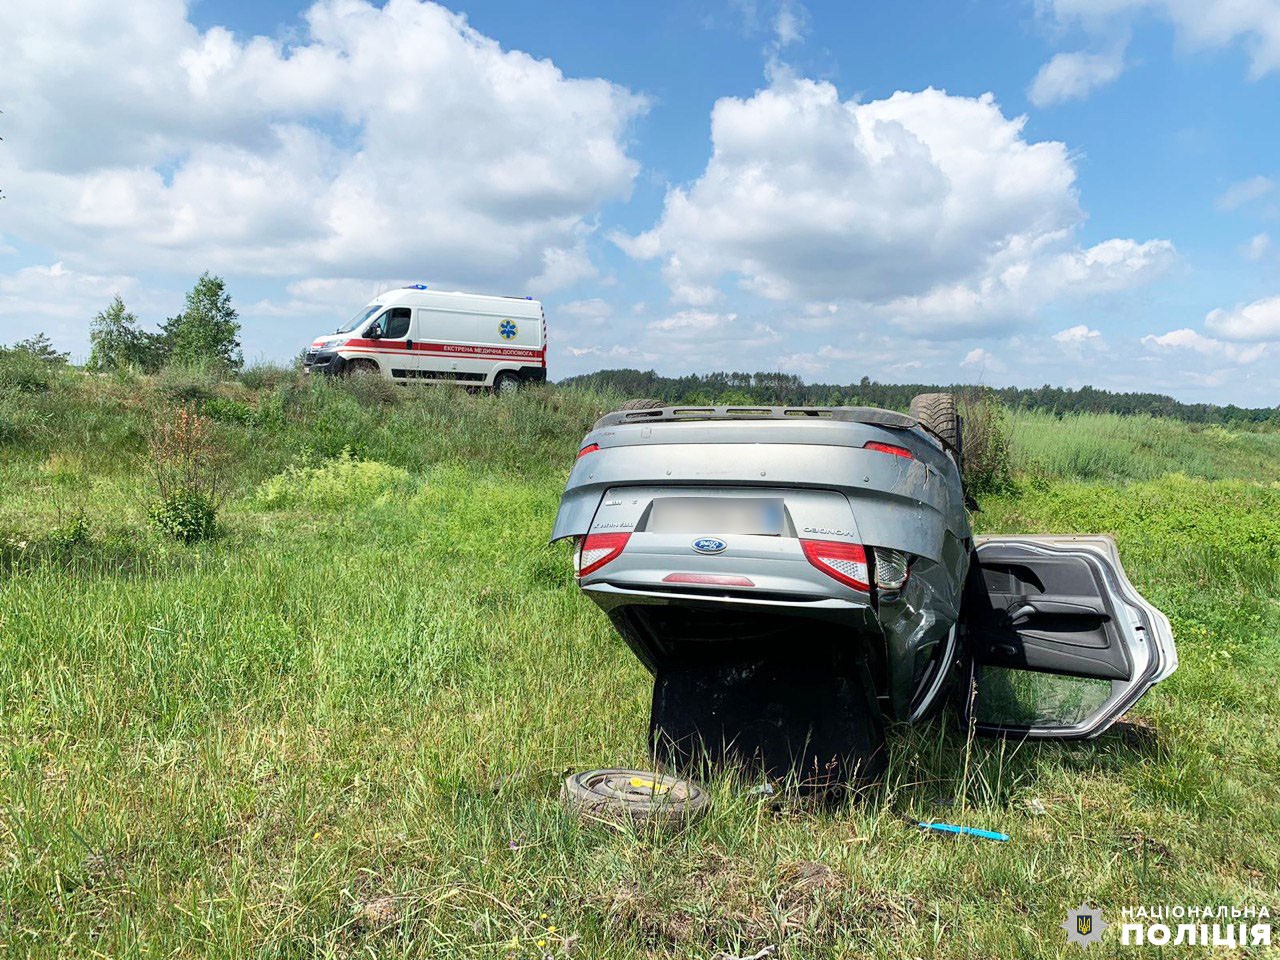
x=640, y=796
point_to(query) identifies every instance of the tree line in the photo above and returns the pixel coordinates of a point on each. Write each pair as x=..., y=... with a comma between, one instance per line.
x=784, y=389
x=205, y=333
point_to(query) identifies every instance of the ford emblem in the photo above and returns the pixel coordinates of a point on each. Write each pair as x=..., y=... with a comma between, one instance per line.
x=709, y=545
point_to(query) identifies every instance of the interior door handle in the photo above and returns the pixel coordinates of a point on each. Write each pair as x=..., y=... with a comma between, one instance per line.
x=1021, y=609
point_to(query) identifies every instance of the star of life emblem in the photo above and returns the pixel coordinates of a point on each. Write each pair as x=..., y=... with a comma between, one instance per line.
x=1084, y=925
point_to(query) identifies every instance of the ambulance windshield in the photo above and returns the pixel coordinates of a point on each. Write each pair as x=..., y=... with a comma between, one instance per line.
x=359, y=318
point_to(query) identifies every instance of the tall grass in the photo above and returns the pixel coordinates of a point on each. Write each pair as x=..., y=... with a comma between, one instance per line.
x=339, y=729
x=1112, y=447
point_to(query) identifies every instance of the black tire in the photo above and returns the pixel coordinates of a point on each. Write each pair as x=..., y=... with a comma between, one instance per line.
x=642, y=404
x=362, y=368
x=937, y=413
x=506, y=382
x=636, y=796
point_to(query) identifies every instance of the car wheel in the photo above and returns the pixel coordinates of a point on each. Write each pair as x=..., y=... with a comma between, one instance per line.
x=506, y=382
x=637, y=796
x=642, y=404
x=937, y=413
x=362, y=368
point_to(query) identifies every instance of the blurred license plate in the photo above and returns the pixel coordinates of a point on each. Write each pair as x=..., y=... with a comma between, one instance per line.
x=718, y=515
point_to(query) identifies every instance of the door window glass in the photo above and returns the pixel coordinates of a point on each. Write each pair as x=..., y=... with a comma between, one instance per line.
x=394, y=324
x=1023, y=698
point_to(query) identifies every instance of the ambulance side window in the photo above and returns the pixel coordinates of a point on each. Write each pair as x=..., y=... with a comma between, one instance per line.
x=394, y=324
x=397, y=321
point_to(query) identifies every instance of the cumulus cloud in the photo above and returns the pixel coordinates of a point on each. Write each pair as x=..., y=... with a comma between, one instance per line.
x=56, y=300
x=386, y=141
x=1255, y=321
x=929, y=210
x=1245, y=192
x=1188, y=339
x=1198, y=24
x=1077, y=335
x=1073, y=76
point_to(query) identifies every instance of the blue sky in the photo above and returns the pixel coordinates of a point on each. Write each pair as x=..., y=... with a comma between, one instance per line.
x=1064, y=191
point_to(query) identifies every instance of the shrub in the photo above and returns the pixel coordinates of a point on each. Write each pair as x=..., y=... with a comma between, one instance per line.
x=227, y=410
x=335, y=483
x=987, y=458
x=267, y=376
x=23, y=372
x=185, y=515
x=186, y=467
x=371, y=388
x=189, y=383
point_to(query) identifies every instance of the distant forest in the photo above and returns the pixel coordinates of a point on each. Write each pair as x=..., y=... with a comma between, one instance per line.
x=788, y=390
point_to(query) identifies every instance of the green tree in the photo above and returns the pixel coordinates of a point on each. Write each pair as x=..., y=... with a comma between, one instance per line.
x=207, y=332
x=41, y=348
x=115, y=341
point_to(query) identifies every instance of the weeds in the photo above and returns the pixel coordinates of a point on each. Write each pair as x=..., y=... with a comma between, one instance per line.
x=988, y=463
x=187, y=470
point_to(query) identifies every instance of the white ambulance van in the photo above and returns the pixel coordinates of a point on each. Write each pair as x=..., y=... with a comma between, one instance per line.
x=418, y=335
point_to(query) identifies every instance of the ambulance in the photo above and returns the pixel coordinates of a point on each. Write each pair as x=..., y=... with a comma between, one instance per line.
x=418, y=335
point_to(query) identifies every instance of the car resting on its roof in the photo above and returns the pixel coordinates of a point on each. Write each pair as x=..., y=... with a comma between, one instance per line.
x=794, y=576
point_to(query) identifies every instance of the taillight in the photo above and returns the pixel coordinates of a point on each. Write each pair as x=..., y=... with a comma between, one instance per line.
x=892, y=568
x=846, y=562
x=589, y=448
x=879, y=447
x=598, y=549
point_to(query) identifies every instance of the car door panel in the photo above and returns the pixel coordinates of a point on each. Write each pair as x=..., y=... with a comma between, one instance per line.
x=1060, y=643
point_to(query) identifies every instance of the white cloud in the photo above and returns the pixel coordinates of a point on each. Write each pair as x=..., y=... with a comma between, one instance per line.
x=983, y=361
x=926, y=209
x=1259, y=246
x=1198, y=24
x=386, y=141
x=1245, y=192
x=1188, y=339
x=1078, y=335
x=790, y=23
x=57, y=301
x=1252, y=322
x=1073, y=76
x=592, y=309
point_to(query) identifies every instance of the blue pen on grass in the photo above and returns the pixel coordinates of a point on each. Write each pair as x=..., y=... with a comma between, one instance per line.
x=966, y=831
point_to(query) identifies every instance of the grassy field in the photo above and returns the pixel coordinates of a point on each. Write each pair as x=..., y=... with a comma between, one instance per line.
x=339, y=728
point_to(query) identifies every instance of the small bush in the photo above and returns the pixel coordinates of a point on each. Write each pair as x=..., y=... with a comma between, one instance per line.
x=227, y=410
x=344, y=480
x=71, y=532
x=190, y=384
x=187, y=469
x=987, y=457
x=23, y=372
x=371, y=389
x=267, y=376
x=185, y=515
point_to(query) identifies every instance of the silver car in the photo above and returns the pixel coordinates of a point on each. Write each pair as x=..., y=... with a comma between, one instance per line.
x=794, y=576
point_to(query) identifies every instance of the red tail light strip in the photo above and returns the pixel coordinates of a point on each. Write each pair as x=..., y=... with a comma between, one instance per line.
x=599, y=549
x=589, y=448
x=879, y=447
x=845, y=562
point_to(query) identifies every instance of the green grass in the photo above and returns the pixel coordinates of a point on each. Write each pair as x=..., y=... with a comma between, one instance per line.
x=339, y=728
x=1112, y=447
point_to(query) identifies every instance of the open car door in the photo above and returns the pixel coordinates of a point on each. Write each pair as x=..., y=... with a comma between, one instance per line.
x=1060, y=643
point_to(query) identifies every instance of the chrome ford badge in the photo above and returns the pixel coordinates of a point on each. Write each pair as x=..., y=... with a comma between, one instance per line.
x=709, y=545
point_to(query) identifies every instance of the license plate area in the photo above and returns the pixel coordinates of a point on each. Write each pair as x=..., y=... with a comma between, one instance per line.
x=753, y=516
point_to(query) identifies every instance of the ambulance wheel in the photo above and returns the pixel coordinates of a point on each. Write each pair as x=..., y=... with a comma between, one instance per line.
x=362, y=368
x=643, y=404
x=506, y=383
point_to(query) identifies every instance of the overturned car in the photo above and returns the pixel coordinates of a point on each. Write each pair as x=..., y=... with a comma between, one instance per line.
x=794, y=576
